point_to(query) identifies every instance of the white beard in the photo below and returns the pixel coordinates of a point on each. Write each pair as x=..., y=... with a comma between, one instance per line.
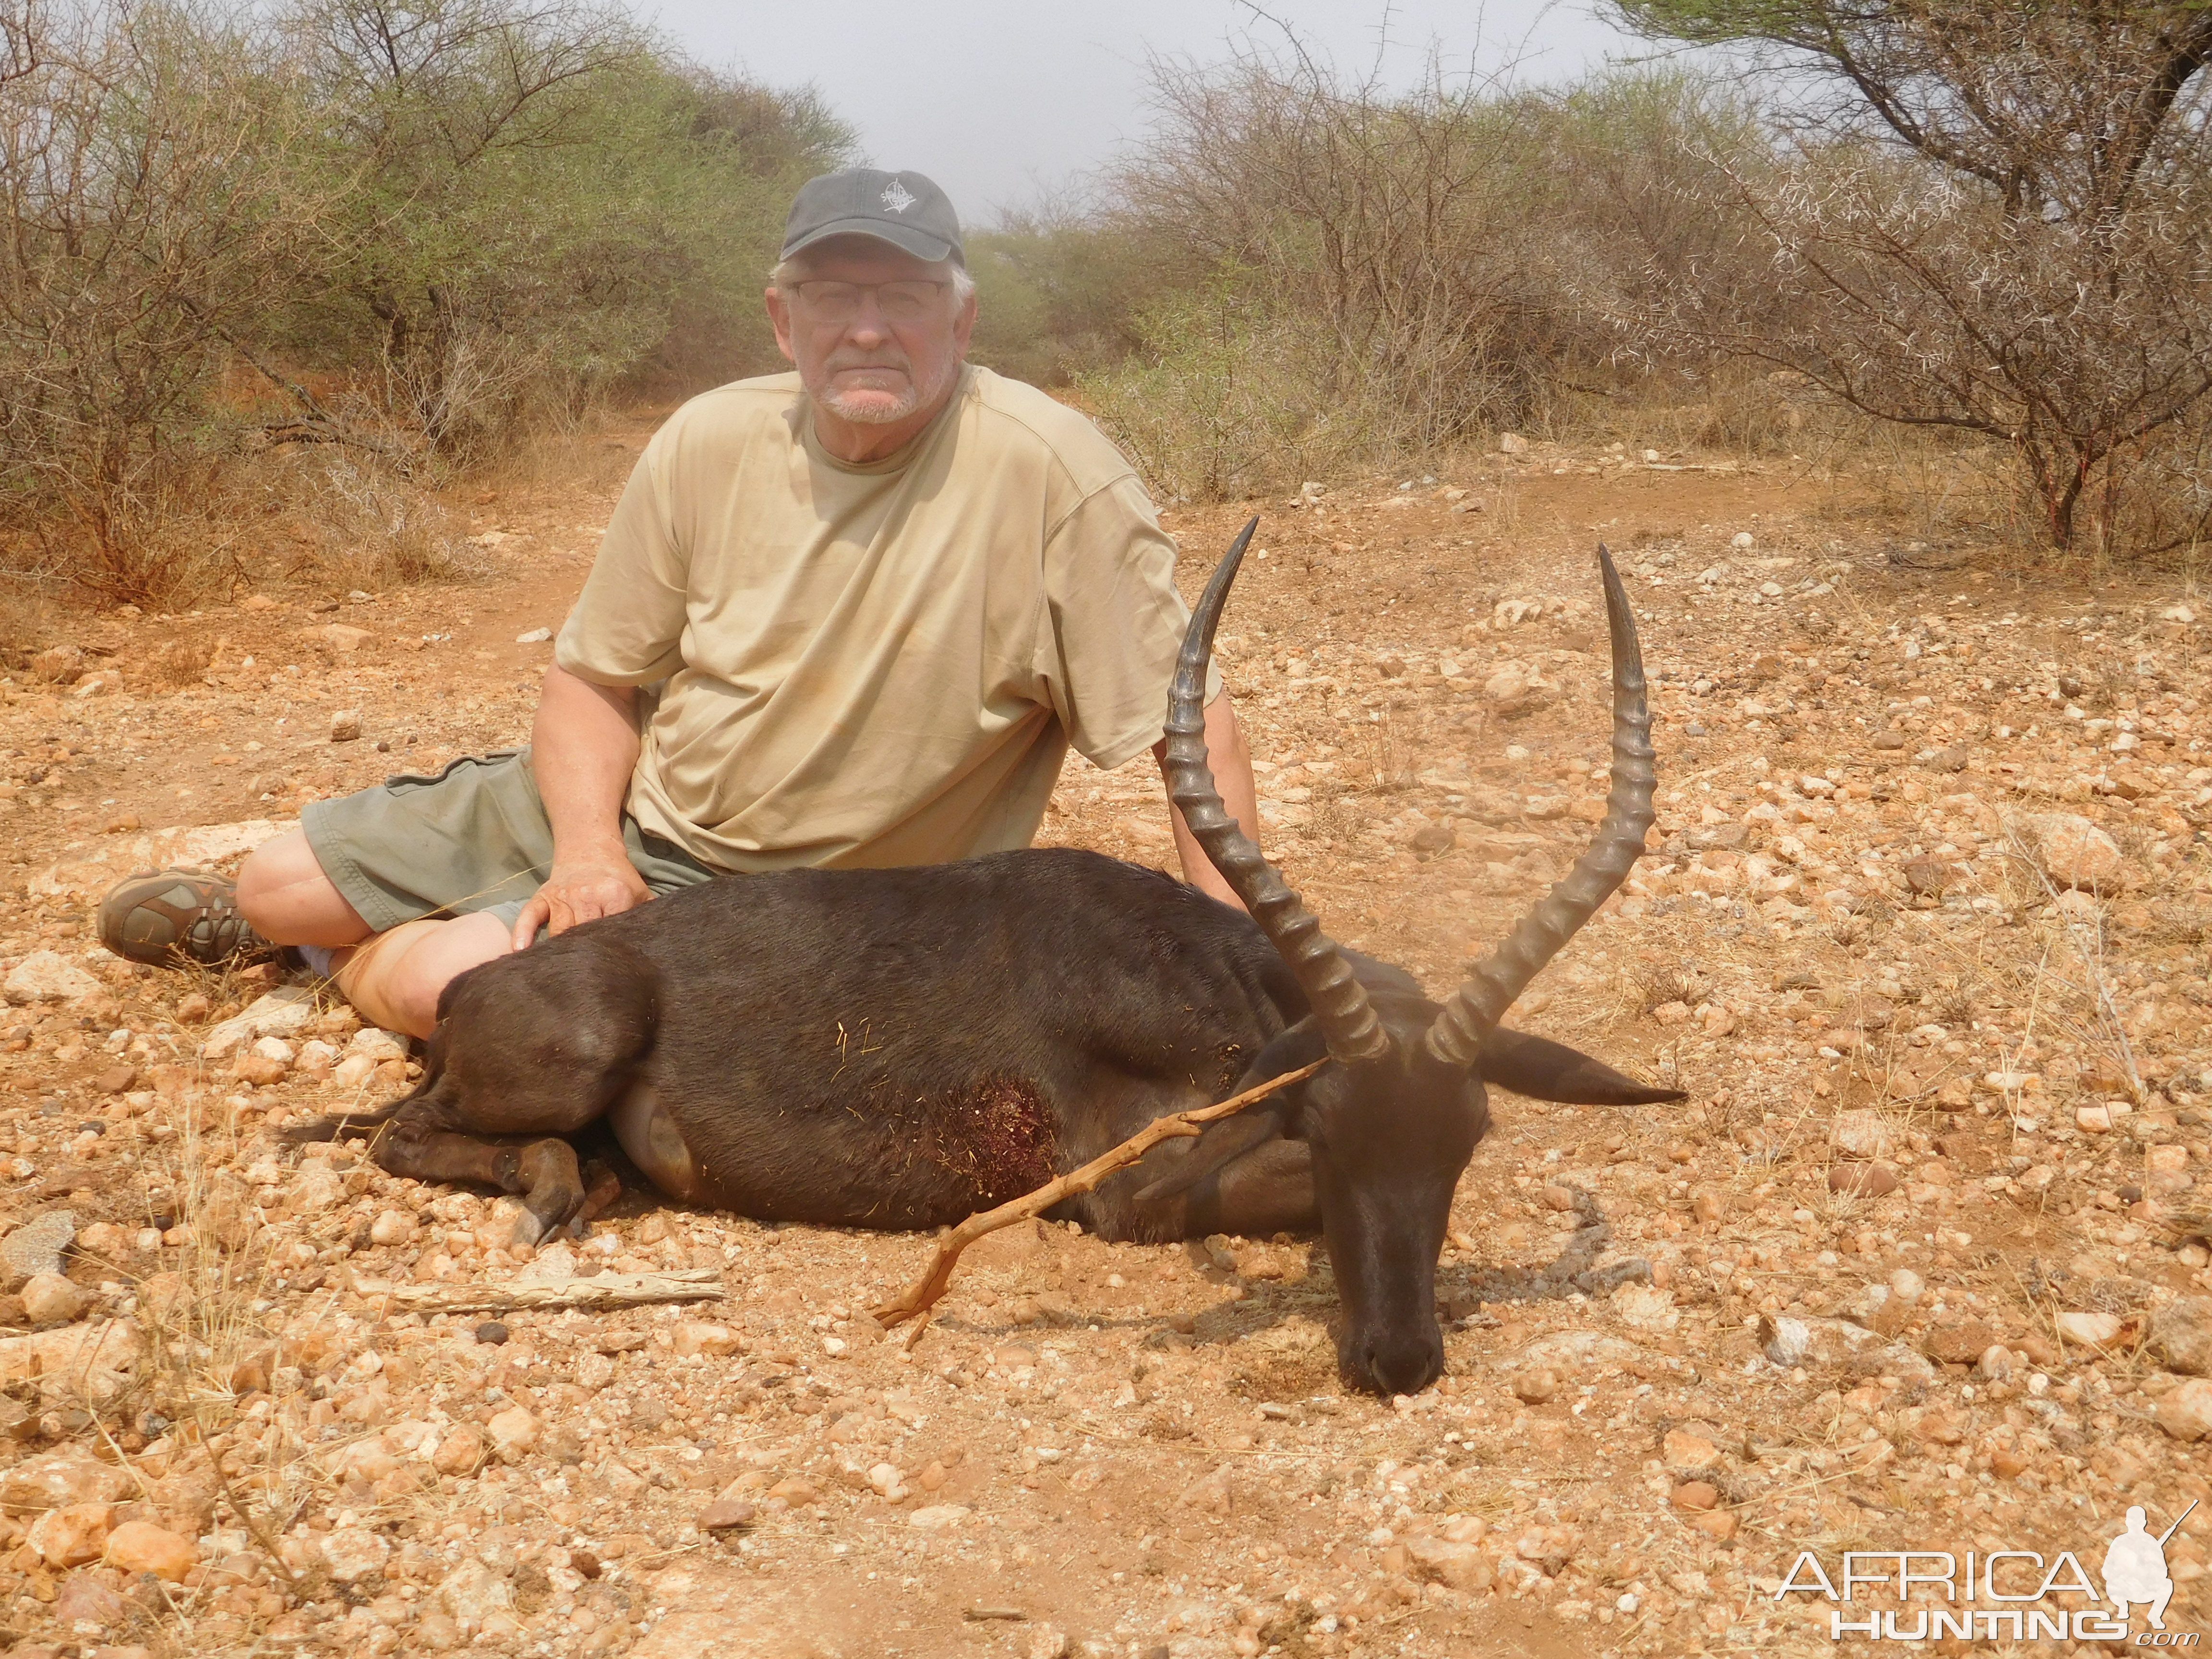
x=877, y=406
x=869, y=407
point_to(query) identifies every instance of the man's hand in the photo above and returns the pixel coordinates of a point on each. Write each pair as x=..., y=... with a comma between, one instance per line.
x=581, y=890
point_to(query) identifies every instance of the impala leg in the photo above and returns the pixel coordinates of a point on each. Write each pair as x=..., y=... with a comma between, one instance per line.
x=1268, y=1190
x=543, y=1170
x=599, y=1196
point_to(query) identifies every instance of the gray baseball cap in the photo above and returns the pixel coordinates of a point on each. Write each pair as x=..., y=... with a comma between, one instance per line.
x=903, y=208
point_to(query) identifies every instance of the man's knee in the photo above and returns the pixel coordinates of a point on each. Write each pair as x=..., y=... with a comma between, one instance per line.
x=395, y=978
x=283, y=893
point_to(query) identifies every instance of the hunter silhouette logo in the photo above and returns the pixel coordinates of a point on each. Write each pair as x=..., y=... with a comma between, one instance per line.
x=897, y=198
x=2024, y=1584
x=2134, y=1568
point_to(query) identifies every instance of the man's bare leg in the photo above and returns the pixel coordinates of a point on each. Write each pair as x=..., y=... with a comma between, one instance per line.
x=394, y=978
x=284, y=892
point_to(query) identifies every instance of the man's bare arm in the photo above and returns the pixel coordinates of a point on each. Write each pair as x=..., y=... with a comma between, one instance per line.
x=1231, y=764
x=583, y=747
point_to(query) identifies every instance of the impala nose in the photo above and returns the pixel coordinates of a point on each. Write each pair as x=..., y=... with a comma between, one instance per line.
x=1402, y=1362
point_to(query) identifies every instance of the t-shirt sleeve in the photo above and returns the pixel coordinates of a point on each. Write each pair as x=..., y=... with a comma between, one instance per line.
x=628, y=625
x=1113, y=624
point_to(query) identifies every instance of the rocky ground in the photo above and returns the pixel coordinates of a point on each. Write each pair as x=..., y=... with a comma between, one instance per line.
x=1921, y=1265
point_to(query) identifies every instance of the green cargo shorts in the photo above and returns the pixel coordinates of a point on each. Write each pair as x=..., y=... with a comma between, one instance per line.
x=474, y=837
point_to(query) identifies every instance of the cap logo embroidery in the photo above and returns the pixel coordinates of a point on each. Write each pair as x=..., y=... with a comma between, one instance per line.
x=897, y=198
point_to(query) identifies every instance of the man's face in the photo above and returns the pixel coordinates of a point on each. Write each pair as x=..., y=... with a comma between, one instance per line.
x=875, y=332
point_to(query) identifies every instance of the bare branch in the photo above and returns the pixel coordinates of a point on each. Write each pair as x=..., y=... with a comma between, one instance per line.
x=925, y=1291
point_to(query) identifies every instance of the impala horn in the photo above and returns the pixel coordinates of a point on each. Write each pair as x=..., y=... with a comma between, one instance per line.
x=1477, y=1007
x=1339, y=1002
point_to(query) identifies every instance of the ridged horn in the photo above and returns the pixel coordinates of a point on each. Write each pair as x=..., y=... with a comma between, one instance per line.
x=1477, y=1007
x=1338, y=1000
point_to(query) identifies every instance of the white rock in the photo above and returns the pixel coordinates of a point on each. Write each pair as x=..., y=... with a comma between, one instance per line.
x=378, y=1044
x=534, y=636
x=97, y=1360
x=1570, y=1352
x=2185, y=1412
x=2072, y=851
x=513, y=1432
x=473, y=1592
x=35, y=1248
x=554, y=1264
x=1862, y=1134
x=1506, y=684
x=594, y=1370
x=281, y=1012
x=1790, y=1341
x=1462, y=1566
x=1512, y=443
x=275, y=1048
x=354, y=1552
x=699, y=1336
x=317, y=1191
x=1645, y=1308
x=354, y=1071
x=1511, y=613
x=60, y=1479
x=88, y=871
x=1742, y=541
x=47, y=976
x=51, y=1299
x=937, y=1517
x=2181, y=1335
x=2088, y=1330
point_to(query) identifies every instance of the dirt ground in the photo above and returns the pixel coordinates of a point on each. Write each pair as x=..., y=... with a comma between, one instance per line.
x=1919, y=1266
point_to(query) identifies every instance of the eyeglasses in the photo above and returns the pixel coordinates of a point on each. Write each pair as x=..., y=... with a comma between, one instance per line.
x=899, y=302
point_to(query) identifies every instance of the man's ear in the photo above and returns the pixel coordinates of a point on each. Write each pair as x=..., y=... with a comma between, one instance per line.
x=779, y=316
x=963, y=326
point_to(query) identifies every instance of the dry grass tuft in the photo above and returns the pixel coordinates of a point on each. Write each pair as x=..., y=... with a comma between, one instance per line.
x=180, y=661
x=1653, y=985
x=374, y=529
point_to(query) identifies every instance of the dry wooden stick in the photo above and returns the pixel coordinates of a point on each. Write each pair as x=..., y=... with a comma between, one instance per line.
x=603, y=1291
x=925, y=1291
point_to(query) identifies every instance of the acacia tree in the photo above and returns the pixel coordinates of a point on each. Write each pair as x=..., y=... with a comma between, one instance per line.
x=537, y=197
x=148, y=207
x=1391, y=230
x=1992, y=218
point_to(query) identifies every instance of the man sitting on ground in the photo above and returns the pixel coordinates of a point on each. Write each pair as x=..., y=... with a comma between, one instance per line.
x=849, y=616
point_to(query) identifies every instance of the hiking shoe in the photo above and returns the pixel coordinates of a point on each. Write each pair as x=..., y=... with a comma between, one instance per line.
x=159, y=916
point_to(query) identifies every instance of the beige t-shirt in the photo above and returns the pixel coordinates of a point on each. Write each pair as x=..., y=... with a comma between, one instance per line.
x=880, y=663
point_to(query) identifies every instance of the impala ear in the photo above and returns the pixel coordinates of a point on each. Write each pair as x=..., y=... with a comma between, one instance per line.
x=1222, y=1144
x=1544, y=1070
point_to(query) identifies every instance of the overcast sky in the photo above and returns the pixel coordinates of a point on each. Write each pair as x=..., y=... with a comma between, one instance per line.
x=990, y=97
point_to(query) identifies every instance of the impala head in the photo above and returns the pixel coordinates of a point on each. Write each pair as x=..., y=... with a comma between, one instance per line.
x=1392, y=1123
